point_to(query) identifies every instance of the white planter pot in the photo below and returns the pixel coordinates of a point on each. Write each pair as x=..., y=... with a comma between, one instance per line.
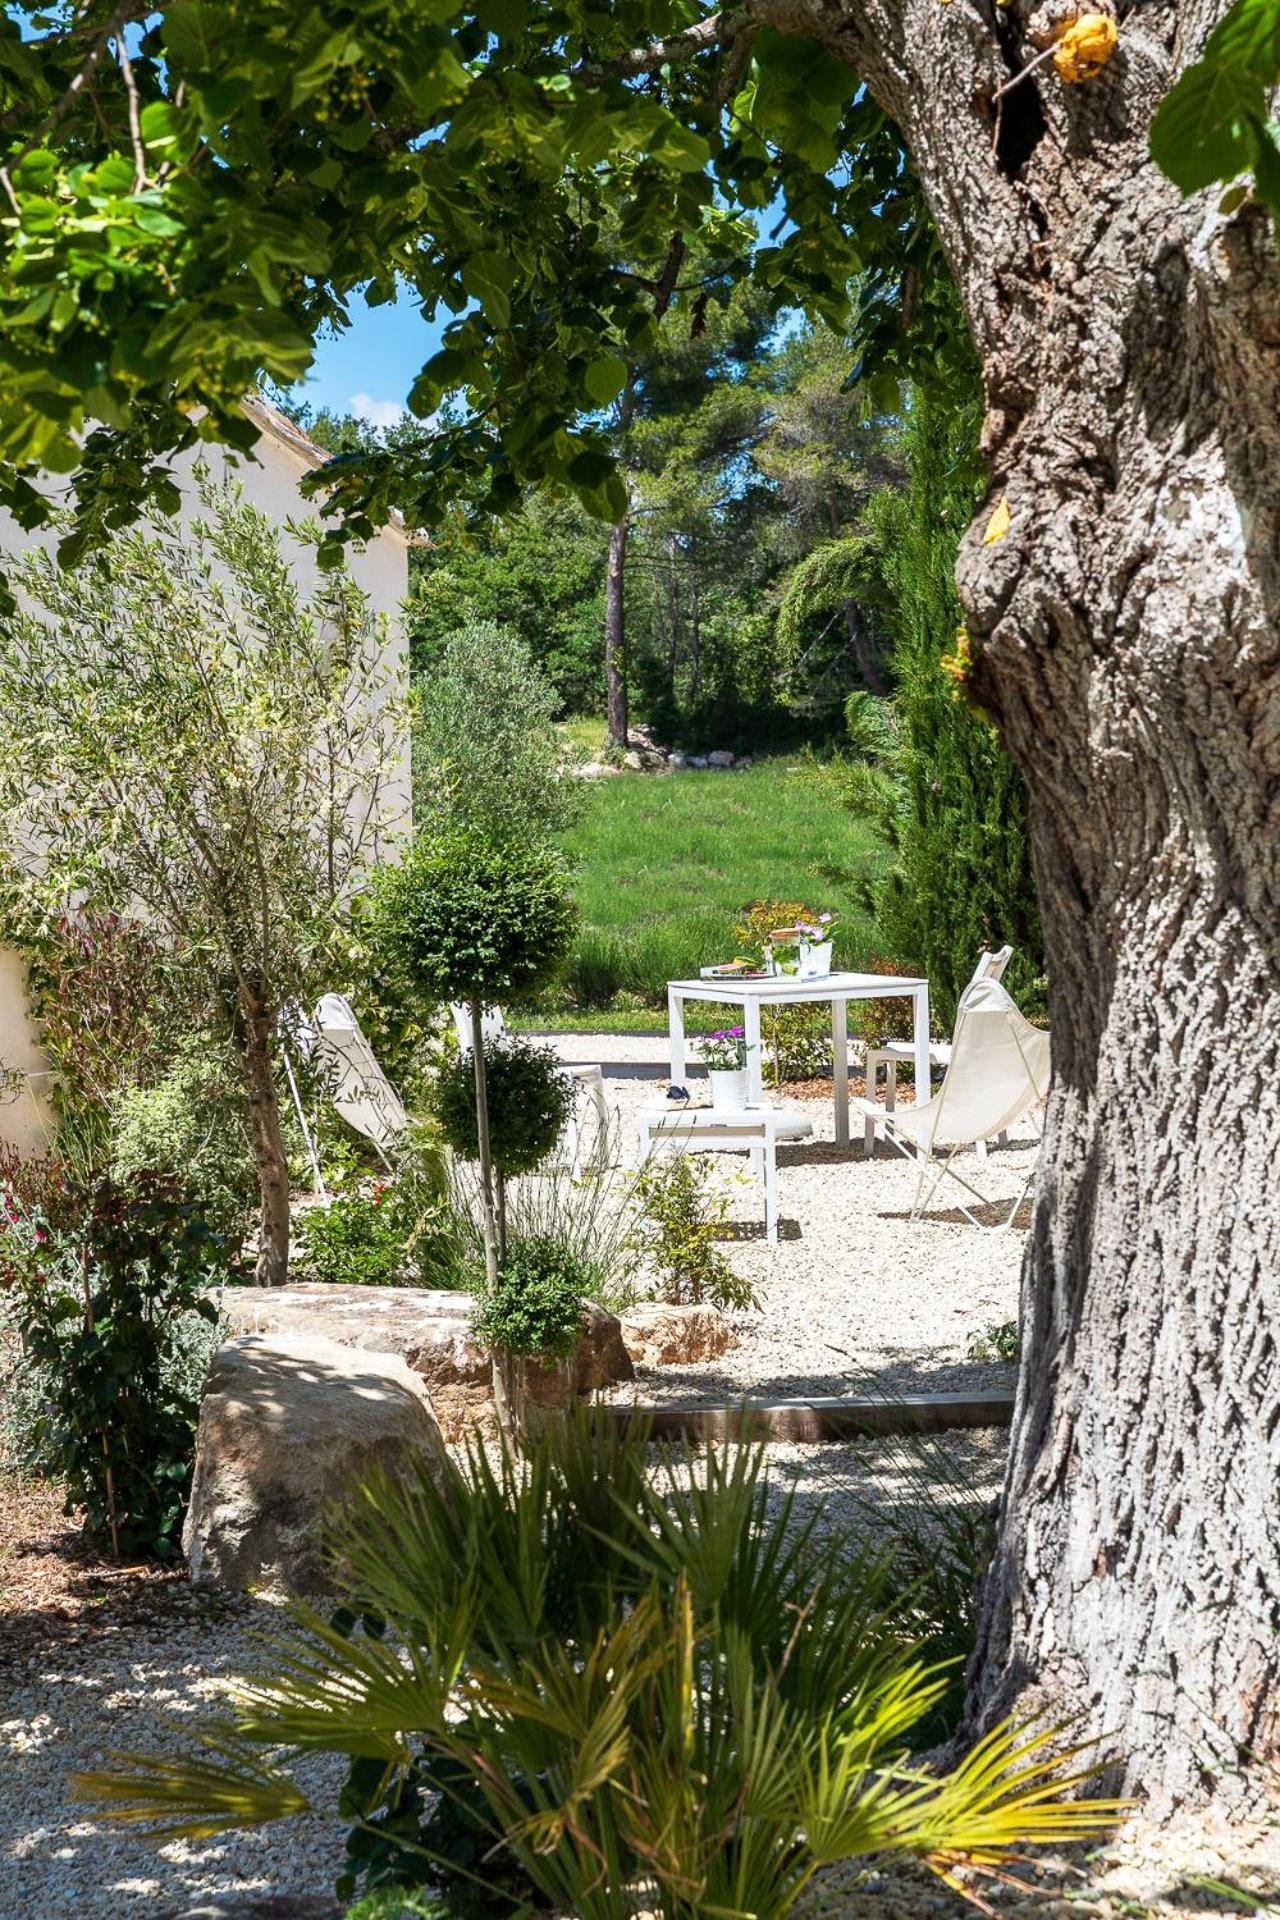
x=815, y=961
x=728, y=1088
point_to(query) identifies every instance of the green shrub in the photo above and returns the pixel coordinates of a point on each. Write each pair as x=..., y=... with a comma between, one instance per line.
x=97, y=1307
x=390, y=1230
x=942, y=790
x=686, y=1217
x=530, y=1100
x=473, y=920
x=487, y=757
x=1001, y=1342
x=536, y=1307
x=669, y=1680
x=192, y=1124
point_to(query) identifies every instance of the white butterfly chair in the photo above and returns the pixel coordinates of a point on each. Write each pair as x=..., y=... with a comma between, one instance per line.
x=990, y=966
x=998, y=1071
x=590, y=1080
x=358, y=1087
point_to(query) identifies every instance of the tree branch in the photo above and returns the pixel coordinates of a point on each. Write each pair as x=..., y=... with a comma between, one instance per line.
x=114, y=26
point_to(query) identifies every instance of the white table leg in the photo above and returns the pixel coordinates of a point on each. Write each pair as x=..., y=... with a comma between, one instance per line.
x=840, y=1067
x=920, y=996
x=920, y=1040
x=751, y=1034
x=675, y=1025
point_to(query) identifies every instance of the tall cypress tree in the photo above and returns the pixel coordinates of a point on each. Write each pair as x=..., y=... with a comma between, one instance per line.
x=955, y=808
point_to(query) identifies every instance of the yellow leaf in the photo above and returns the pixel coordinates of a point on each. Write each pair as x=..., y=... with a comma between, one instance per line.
x=998, y=524
x=1085, y=47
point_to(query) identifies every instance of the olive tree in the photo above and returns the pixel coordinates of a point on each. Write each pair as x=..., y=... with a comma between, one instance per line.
x=250, y=170
x=186, y=734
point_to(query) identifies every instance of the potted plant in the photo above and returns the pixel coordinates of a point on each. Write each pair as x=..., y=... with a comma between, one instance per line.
x=815, y=946
x=724, y=1055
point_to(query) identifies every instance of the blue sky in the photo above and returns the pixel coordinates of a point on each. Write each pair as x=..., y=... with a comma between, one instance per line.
x=370, y=368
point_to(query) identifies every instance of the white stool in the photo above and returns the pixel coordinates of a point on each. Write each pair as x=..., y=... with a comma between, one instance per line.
x=712, y=1129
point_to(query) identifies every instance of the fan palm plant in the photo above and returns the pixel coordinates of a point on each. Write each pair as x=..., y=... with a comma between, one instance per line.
x=645, y=1678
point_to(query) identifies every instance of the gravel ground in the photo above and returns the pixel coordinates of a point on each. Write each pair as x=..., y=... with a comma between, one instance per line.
x=114, y=1661
x=854, y=1297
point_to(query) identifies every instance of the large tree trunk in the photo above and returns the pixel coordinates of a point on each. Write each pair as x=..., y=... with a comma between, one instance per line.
x=1125, y=637
x=615, y=633
x=256, y=1035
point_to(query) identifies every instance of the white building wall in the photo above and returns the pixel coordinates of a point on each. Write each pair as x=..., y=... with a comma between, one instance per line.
x=380, y=569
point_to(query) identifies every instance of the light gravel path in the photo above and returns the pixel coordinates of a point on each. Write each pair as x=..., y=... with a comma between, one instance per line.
x=854, y=1297
x=95, y=1690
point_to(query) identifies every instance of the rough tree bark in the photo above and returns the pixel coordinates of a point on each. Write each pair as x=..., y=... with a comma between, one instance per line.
x=256, y=1034
x=1126, y=639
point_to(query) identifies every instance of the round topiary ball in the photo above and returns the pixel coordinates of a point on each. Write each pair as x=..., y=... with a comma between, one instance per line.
x=472, y=920
x=530, y=1098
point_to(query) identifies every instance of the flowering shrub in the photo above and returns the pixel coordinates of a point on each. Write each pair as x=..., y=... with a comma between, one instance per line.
x=392, y=1232
x=726, y=1051
x=104, y=1310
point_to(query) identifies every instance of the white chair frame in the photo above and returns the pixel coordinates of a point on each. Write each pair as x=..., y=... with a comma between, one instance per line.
x=990, y=966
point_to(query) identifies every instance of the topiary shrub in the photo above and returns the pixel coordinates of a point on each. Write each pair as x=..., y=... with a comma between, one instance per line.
x=471, y=919
x=478, y=921
x=530, y=1099
x=535, y=1309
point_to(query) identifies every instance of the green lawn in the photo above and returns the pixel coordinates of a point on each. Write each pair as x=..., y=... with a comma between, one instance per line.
x=665, y=864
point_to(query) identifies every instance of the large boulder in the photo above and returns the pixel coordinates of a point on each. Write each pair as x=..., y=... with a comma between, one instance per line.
x=289, y=1425
x=428, y=1327
x=431, y=1331
x=658, y=1335
x=720, y=758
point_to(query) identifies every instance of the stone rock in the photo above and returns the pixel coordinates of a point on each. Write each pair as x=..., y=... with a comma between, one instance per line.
x=289, y=1424
x=658, y=1335
x=602, y=1356
x=430, y=1329
x=633, y=760
x=596, y=770
x=740, y=766
x=720, y=758
x=678, y=760
x=698, y=761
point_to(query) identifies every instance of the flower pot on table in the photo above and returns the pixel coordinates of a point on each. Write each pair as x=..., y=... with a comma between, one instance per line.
x=728, y=1087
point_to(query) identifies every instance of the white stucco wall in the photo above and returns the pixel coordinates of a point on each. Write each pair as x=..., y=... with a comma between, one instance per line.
x=380, y=569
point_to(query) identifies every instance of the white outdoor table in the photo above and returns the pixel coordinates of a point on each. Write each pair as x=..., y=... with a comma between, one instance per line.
x=788, y=990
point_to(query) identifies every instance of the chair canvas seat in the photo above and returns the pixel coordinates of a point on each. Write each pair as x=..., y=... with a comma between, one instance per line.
x=998, y=1071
